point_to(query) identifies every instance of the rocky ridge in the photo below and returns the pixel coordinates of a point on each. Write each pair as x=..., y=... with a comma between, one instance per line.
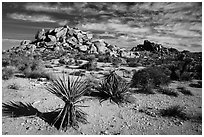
x=66, y=39
x=154, y=47
x=61, y=41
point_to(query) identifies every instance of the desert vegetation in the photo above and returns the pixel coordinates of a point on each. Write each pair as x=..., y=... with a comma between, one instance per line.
x=104, y=87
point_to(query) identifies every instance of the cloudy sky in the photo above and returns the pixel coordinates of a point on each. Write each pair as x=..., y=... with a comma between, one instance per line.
x=177, y=25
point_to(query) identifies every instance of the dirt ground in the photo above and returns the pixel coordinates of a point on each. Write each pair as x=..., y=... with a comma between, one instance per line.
x=105, y=119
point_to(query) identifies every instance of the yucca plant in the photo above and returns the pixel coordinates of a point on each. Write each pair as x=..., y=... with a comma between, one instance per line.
x=70, y=91
x=113, y=87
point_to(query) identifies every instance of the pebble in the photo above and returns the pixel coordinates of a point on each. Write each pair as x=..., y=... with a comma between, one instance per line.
x=27, y=128
x=22, y=124
x=178, y=123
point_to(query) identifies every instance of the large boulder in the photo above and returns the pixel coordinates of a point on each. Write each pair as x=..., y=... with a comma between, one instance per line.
x=32, y=48
x=101, y=46
x=80, y=37
x=56, y=30
x=67, y=61
x=66, y=46
x=25, y=42
x=70, y=32
x=128, y=54
x=40, y=35
x=52, y=38
x=93, y=49
x=61, y=33
x=83, y=48
x=89, y=36
x=72, y=41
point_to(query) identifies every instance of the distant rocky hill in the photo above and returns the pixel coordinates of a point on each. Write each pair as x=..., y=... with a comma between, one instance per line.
x=153, y=47
x=66, y=38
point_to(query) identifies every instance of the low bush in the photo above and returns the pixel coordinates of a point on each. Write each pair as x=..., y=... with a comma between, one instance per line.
x=174, y=111
x=168, y=91
x=13, y=86
x=36, y=74
x=91, y=65
x=184, y=91
x=116, y=61
x=147, y=90
x=66, y=61
x=78, y=73
x=134, y=64
x=48, y=66
x=186, y=76
x=196, y=85
x=7, y=73
x=5, y=60
x=105, y=58
x=198, y=71
x=78, y=62
x=153, y=76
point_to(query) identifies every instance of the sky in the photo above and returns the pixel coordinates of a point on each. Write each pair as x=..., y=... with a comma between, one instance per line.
x=177, y=25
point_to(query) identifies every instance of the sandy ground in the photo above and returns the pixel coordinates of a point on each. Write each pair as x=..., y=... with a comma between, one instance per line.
x=105, y=119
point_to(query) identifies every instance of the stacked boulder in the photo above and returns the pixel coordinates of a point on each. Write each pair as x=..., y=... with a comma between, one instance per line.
x=66, y=39
x=153, y=47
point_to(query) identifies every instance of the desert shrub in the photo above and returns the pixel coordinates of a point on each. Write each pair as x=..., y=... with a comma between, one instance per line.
x=116, y=61
x=173, y=71
x=186, y=76
x=90, y=57
x=168, y=91
x=70, y=91
x=184, y=91
x=196, y=85
x=114, y=88
x=132, y=60
x=134, y=64
x=91, y=65
x=78, y=73
x=36, y=74
x=48, y=66
x=78, y=62
x=153, y=76
x=165, y=69
x=198, y=71
x=105, y=58
x=23, y=62
x=7, y=73
x=148, y=89
x=66, y=61
x=13, y=86
x=200, y=83
x=5, y=60
x=174, y=111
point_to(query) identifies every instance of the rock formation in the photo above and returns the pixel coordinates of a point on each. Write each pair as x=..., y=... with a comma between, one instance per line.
x=66, y=39
x=153, y=47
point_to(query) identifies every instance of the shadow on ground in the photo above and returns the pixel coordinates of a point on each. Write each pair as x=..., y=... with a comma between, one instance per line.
x=19, y=109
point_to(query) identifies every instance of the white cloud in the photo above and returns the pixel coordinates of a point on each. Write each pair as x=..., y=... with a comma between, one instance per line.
x=63, y=22
x=113, y=27
x=31, y=18
x=36, y=18
x=47, y=7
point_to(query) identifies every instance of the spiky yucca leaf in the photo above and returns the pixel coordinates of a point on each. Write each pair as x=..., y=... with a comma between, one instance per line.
x=70, y=91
